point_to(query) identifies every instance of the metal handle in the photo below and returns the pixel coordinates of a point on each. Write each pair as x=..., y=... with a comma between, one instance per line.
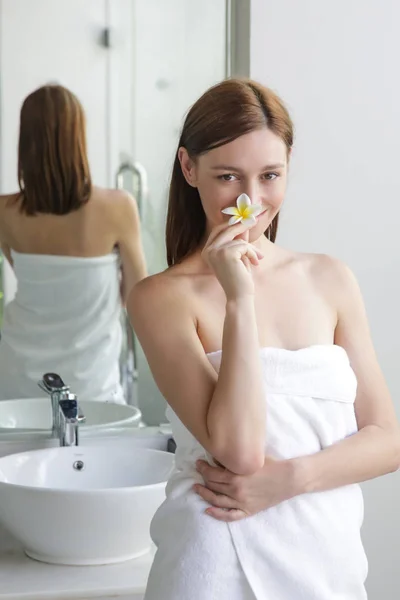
x=52, y=384
x=129, y=367
x=140, y=192
x=132, y=350
x=139, y=174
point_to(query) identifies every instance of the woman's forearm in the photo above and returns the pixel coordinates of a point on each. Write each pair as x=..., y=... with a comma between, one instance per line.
x=236, y=415
x=371, y=452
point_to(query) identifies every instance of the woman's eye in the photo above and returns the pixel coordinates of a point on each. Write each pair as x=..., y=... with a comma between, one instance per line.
x=270, y=176
x=227, y=177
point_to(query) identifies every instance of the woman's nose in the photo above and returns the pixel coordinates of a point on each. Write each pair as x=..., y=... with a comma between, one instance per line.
x=252, y=189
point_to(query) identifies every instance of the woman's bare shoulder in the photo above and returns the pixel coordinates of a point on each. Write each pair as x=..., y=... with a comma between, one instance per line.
x=327, y=273
x=317, y=265
x=116, y=206
x=9, y=200
x=172, y=293
x=110, y=197
x=162, y=305
x=173, y=285
x=324, y=267
x=110, y=194
x=9, y=209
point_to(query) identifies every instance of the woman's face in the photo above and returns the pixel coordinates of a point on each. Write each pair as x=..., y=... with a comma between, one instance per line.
x=254, y=164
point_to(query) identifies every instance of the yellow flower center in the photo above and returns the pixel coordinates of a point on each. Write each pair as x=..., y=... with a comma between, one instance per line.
x=244, y=212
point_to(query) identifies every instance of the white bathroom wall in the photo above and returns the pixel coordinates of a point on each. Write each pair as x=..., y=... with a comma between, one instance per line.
x=53, y=41
x=336, y=66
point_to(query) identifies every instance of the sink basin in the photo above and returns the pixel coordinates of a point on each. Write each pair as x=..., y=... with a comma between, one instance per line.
x=83, y=505
x=128, y=438
x=34, y=414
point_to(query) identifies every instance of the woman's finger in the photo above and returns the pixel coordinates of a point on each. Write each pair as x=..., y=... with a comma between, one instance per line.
x=244, y=236
x=246, y=252
x=233, y=232
x=239, y=244
x=217, y=500
x=226, y=233
x=210, y=473
x=216, y=231
x=249, y=260
x=214, y=486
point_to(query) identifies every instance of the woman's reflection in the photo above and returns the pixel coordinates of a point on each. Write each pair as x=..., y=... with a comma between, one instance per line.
x=76, y=251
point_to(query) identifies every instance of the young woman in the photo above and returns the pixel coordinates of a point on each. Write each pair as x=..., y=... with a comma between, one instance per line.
x=76, y=252
x=266, y=362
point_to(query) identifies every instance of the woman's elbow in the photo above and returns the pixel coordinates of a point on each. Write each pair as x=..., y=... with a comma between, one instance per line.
x=245, y=462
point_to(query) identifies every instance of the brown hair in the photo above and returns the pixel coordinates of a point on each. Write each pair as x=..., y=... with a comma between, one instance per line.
x=225, y=112
x=53, y=168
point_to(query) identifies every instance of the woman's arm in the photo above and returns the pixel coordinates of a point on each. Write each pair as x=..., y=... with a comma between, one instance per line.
x=210, y=407
x=130, y=243
x=225, y=413
x=375, y=449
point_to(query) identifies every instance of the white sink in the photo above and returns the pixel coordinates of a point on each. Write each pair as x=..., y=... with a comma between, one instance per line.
x=34, y=414
x=83, y=505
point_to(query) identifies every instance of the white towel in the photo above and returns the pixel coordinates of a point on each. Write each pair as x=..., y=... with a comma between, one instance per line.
x=65, y=318
x=307, y=548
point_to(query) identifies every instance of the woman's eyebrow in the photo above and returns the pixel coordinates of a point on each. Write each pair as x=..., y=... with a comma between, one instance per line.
x=232, y=168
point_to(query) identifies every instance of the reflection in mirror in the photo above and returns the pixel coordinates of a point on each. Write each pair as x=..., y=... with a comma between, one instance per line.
x=78, y=228
x=76, y=251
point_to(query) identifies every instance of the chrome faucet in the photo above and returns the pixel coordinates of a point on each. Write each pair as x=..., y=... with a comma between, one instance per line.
x=66, y=414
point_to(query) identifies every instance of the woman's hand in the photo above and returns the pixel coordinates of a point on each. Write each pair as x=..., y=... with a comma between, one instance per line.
x=231, y=259
x=234, y=497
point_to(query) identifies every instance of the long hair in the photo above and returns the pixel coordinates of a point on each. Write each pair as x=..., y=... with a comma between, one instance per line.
x=225, y=112
x=53, y=169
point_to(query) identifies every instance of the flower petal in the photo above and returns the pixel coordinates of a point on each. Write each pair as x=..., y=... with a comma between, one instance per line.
x=250, y=220
x=243, y=202
x=234, y=220
x=254, y=210
x=231, y=210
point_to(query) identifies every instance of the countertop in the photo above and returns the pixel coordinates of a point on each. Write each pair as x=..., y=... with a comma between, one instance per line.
x=22, y=578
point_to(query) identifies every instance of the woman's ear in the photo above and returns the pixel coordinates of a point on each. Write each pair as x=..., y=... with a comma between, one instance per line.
x=188, y=167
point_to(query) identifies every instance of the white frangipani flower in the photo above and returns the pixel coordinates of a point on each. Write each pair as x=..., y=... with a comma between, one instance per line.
x=244, y=211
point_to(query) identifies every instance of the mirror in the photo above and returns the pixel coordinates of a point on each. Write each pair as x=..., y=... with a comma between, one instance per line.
x=136, y=66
